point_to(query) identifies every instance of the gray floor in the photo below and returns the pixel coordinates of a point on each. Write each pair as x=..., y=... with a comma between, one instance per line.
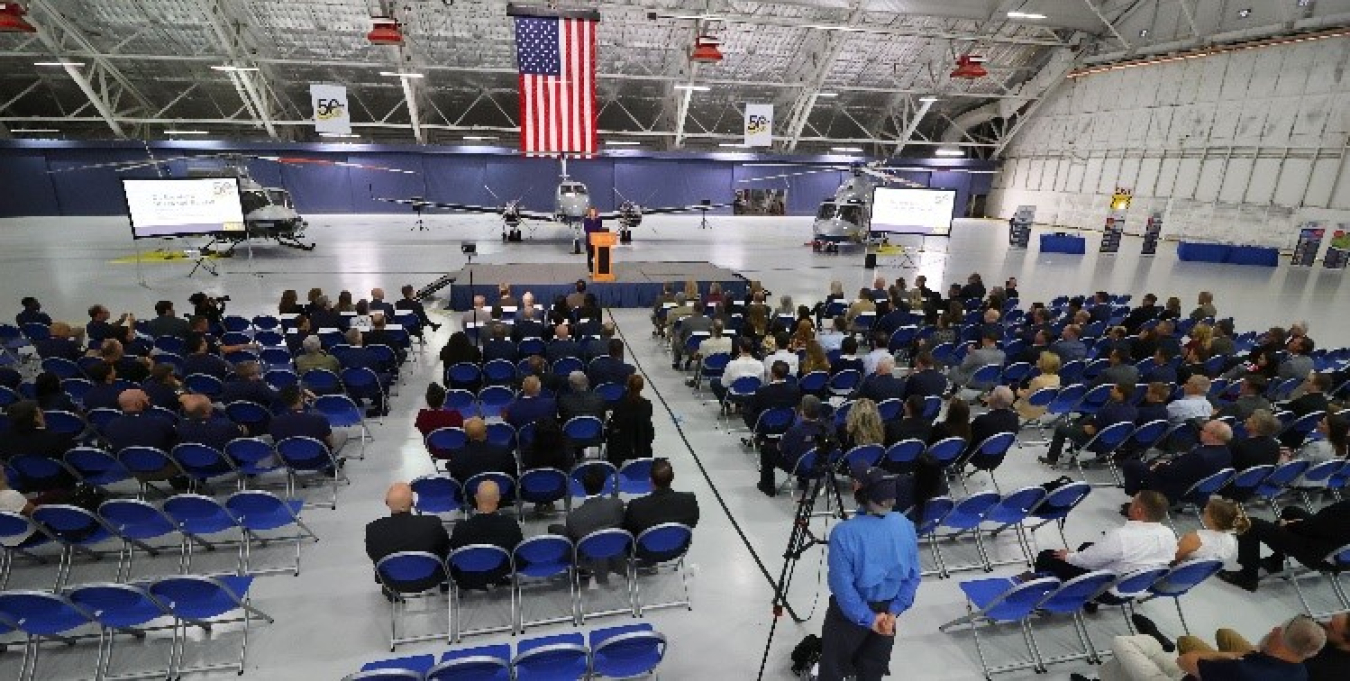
x=331, y=619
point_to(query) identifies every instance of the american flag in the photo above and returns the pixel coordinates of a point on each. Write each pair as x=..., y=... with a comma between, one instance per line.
x=557, y=85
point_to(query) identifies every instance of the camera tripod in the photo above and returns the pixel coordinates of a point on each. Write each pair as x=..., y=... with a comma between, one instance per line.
x=800, y=540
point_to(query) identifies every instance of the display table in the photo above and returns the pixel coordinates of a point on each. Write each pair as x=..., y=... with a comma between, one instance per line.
x=1063, y=243
x=1234, y=255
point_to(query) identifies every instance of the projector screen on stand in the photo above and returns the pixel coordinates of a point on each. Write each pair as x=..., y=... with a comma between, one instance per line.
x=926, y=212
x=163, y=209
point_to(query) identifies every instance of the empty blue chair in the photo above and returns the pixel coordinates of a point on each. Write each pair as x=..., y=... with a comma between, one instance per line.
x=95, y=466
x=544, y=486
x=409, y=668
x=198, y=516
x=438, y=494
x=946, y=451
x=984, y=377
x=1058, y=504
x=280, y=378
x=483, y=663
x=566, y=365
x=1000, y=600
x=252, y=456
x=585, y=432
x=307, y=456
x=203, y=463
x=117, y=608
x=1279, y=481
x=1182, y=578
x=342, y=412
x=890, y=409
x=627, y=651
x=813, y=383
x=1246, y=482
x=36, y=473
x=1198, y=494
x=493, y=399
x=1012, y=511
x=64, y=423
x=76, y=530
x=39, y=615
x=561, y=657
x=666, y=544
x=191, y=599
x=1147, y=435
x=475, y=563
x=257, y=512
x=461, y=401
x=870, y=455
x=136, y=522
x=964, y=518
x=635, y=477
x=499, y=372
x=502, y=434
x=611, y=393
x=1069, y=599
x=602, y=547
x=904, y=453
x=147, y=464
x=404, y=575
x=530, y=346
x=362, y=383
x=62, y=367
x=538, y=560
x=988, y=455
x=204, y=384
x=926, y=526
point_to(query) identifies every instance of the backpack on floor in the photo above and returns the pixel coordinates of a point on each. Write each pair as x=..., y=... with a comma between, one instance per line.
x=805, y=656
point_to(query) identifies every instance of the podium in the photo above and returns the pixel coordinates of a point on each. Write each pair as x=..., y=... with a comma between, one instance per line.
x=603, y=243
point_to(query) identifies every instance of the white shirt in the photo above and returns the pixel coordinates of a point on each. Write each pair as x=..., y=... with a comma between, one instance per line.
x=745, y=365
x=830, y=339
x=785, y=355
x=14, y=502
x=1132, y=546
x=1215, y=545
x=870, y=360
x=1187, y=408
x=714, y=346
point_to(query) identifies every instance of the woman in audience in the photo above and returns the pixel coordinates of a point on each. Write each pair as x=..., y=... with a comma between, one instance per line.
x=313, y=297
x=560, y=313
x=297, y=334
x=914, y=490
x=290, y=302
x=803, y=334
x=1197, y=351
x=691, y=292
x=757, y=317
x=460, y=349
x=785, y=307
x=955, y=424
x=714, y=294
x=863, y=425
x=1335, y=430
x=362, y=319
x=815, y=360
x=344, y=303
x=1049, y=378
x=163, y=387
x=629, y=433
x=435, y=415
x=1216, y=539
x=1172, y=310
x=548, y=448
x=49, y=394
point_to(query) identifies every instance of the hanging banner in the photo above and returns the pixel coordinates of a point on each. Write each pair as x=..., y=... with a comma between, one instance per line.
x=1309, y=243
x=758, y=125
x=1152, y=233
x=1019, y=227
x=1115, y=227
x=1338, y=253
x=331, y=114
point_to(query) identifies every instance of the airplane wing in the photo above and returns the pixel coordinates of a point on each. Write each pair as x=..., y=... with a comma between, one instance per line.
x=464, y=207
x=667, y=209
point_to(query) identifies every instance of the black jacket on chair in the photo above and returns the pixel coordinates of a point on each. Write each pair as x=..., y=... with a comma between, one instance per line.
x=661, y=506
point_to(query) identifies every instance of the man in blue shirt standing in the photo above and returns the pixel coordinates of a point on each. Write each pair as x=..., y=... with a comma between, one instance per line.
x=874, y=574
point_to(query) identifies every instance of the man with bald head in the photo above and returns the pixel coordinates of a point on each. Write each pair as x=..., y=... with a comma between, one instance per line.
x=530, y=405
x=135, y=428
x=479, y=455
x=1173, y=477
x=562, y=345
x=486, y=526
x=402, y=530
x=204, y=427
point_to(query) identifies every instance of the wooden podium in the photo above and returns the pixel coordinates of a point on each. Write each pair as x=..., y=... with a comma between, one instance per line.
x=603, y=243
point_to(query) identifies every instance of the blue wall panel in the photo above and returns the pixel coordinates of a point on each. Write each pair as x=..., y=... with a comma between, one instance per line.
x=28, y=190
x=533, y=181
x=369, y=183
x=319, y=188
x=456, y=180
x=89, y=192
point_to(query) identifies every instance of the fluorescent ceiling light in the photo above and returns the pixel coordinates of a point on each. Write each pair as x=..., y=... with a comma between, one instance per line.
x=772, y=165
x=947, y=151
x=185, y=132
x=827, y=94
x=1244, y=13
x=478, y=138
x=236, y=69
x=402, y=74
x=1143, y=33
x=734, y=145
x=621, y=143
x=1025, y=15
x=58, y=63
x=34, y=131
x=847, y=150
x=929, y=98
x=693, y=88
x=341, y=135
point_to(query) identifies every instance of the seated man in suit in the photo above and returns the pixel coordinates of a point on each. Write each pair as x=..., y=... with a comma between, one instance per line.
x=1307, y=537
x=402, y=530
x=987, y=353
x=297, y=422
x=882, y=384
x=1173, y=478
x=999, y=419
x=562, y=345
x=1251, y=396
x=529, y=406
x=598, y=512
x=479, y=455
x=776, y=393
x=663, y=505
x=487, y=526
x=911, y=425
x=1314, y=398
x=580, y=400
x=1116, y=410
x=695, y=322
x=248, y=386
x=925, y=379
x=610, y=367
x=379, y=334
x=377, y=302
x=1119, y=369
x=527, y=325
x=202, y=426
x=135, y=428
x=1068, y=347
x=499, y=346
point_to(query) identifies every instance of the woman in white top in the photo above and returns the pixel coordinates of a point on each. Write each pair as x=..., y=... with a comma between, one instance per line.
x=1221, y=522
x=362, y=318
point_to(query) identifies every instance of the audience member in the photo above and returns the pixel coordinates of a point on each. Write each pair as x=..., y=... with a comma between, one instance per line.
x=796, y=442
x=1313, y=399
x=848, y=359
x=164, y=388
x=862, y=426
x=610, y=367
x=777, y=393
x=1000, y=418
x=479, y=454
x=1194, y=403
x=562, y=345
x=50, y=396
x=28, y=435
x=597, y=512
x=580, y=400
x=911, y=426
x=435, y=415
x=1283, y=654
x=881, y=384
x=1332, y=444
x=629, y=432
x=1142, y=542
x=104, y=392
x=925, y=380
x=32, y=313
x=458, y=348
x=1299, y=363
x=1173, y=478
x=410, y=303
x=743, y=365
x=548, y=449
x=61, y=341
x=1307, y=537
x=315, y=357
x=475, y=316
x=201, y=426
x=249, y=386
x=1259, y=448
x=529, y=406
x=663, y=505
x=486, y=526
x=295, y=421
x=1048, y=379
x=1147, y=310
x=1216, y=538
x=166, y=322
x=986, y=354
x=880, y=350
x=781, y=353
x=955, y=423
x=1251, y=397
x=98, y=329
x=1117, y=409
x=1119, y=369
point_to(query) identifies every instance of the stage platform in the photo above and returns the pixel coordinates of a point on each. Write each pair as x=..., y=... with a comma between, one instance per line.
x=636, y=284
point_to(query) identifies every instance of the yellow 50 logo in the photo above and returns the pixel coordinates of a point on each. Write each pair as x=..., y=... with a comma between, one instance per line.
x=757, y=124
x=328, y=108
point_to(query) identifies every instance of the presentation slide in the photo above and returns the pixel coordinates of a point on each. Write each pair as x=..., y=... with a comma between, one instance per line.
x=169, y=208
x=913, y=211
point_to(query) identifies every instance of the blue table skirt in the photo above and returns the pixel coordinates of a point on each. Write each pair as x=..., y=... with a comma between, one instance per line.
x=1053, y=243
x=1233, y=255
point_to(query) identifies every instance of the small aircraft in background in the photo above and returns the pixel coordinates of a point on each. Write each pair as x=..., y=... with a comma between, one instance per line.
x=571, y=202
x=847, y=216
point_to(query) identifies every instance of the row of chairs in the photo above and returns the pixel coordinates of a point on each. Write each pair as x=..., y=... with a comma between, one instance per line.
x=580, y=431
x=254, y=516
x=187, y=601
x=536, y=562
x=622, y=652
x=441, y=494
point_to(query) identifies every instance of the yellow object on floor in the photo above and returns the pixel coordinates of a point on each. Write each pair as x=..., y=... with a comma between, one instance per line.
x=160, y=255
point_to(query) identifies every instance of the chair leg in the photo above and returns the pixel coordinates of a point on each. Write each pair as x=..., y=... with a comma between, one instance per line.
x=1035, y=652
x=1181, y=616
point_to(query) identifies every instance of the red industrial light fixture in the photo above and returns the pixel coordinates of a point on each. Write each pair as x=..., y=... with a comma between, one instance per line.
x=11, y=19
x=705, y=50
x=386, y=31
x=968, y=67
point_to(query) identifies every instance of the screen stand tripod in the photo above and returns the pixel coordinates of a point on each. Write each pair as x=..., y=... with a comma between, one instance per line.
x=800, y=540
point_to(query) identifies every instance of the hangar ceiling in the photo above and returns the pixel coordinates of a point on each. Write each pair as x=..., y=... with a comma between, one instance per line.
x=841, y=73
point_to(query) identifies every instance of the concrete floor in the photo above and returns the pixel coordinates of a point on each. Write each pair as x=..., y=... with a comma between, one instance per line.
x=331, y=619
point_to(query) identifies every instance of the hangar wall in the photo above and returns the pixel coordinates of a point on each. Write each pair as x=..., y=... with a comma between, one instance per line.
x=1240, y=147
x=458, y=175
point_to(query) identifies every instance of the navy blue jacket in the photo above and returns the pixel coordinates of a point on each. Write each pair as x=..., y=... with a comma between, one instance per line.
x=926, y=383
x=1175, y=478
x=525, y=410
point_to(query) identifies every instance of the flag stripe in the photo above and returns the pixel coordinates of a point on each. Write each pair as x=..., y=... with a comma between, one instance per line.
x=557, y=62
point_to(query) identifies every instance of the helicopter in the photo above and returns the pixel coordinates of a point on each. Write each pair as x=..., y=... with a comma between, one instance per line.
x=847, y=216
x=571, y=203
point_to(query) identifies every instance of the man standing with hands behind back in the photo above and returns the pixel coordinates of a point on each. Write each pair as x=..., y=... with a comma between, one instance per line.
x=874, y=574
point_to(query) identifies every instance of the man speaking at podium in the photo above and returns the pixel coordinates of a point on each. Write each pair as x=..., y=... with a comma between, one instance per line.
x=590, y=225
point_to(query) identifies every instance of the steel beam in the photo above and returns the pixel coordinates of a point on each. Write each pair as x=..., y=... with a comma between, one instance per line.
x=414, y=112
x=815, y=79
x=250, y=84
x=907, y=135
x=1112, y=27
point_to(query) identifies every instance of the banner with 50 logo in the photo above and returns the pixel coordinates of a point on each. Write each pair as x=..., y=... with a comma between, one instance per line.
x=330, y=108
x=758, y=125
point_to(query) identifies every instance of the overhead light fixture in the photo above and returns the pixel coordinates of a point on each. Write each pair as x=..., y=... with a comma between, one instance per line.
x=705, y=50
x=478, y=138
x=339, y=135
x=33, y=131
x=929, y=99
x=185, y=132
x=402, y=74
x=969, y=67
x=11, y=19
x=1143, y=33
x=949, y=151
x=621, y=143
x=734, y=145
x=1244, y=13
x=58, y=63
x=385, y=31
x=1025, y=15
x=847, y=150
x=233, y=69
x=693, y=88
x=827, y=94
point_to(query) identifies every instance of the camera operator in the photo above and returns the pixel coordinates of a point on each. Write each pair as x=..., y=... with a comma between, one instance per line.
x=810, y=432
x=211, y=308
x=873, y=576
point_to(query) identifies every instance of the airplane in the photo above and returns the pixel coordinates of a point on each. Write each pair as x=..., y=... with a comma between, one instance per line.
x=847, y=216
x=269, y=212
x=571, y=203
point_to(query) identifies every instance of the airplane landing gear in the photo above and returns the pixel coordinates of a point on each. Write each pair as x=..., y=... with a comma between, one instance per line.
x=626, y=236
x=576, y=246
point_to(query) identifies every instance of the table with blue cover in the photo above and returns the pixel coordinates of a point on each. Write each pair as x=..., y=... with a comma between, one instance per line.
x=1233, y=255
x=1063, y=243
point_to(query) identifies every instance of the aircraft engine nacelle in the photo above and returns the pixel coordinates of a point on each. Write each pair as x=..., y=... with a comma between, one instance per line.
x=630, y=215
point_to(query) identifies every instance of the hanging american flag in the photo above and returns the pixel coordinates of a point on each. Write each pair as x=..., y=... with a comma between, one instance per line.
x=556, y=56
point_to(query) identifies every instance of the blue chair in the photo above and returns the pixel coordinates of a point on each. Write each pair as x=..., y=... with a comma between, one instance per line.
x=192, y=599
x=1301, y=427
x=579, y=472
x=257, y=512
x=362, y=383
x=845, y=382
x=409, y=574
x=19, y=534
x=1070, y=599
x=1065, y=402
x=35, y=473
x=890, y=409
x=988, y=455
x=1198, y=495
x=493, y=399
x=1181, y=579
x=409, y=668
x=279, y=378
x=483, y=663
x=76, y=530
x=307, y=456
x=462, y=401
x=947, y=450
x=566, y=365
x=905, y=452
x=438, y=494
x=666, y=544
x=813, y=383
x=442, y=443
x=253, y=457
x=603, y=547
x=499, y=372
x=342, y=412
x=1279, y=481
x=321, y=382
x=506, y=486
x=204, y=384
x=64, y=423
x=476, y=561
x=1332, y=566
x=1012, y=511
x=117, y=609
x=254, y=417
x=635, y=477
x=196, y=516
x=545, y=486
x=627, y=651
x=738, y=392
x=542, y=559
x=62, y=367
x=39, y=615
x=552, y=658
x=926, y=526
x=149, y=464
x=1094, y=398
x=1104, y=444
x=1000, y=600
x=95, y=466
x=964, y=518
x=1147, y=436
x=585, y=432
x=502, y=434
x=1058, y=504
x=137, y=522
x=772, y=423
x=203, y=463
x=530, y=346
x=984, y=378
x=1245, y=483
